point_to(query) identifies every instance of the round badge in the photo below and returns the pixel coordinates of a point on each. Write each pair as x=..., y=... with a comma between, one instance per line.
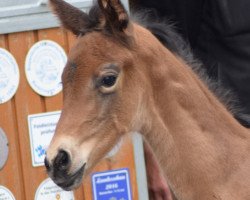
x=44, y=66
x=50, y=191
x=9, y=76
x=6, y=194
x=4, y=147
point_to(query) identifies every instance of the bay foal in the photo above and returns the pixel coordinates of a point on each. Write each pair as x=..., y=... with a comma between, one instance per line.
x=120, y=79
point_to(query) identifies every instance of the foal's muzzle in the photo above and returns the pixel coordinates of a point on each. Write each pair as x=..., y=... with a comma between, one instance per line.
x=58, y=171
x=60, y=164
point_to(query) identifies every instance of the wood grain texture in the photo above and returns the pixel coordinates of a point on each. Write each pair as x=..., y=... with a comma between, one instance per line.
x=27, y=102
x=11, y=175
x=71, y=39
x=87, y=184
x=125, y=159
x=59, y=36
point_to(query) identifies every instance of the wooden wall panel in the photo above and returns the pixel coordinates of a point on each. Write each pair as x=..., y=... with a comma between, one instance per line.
x=59, y=36
x=125, y=159
x=27, y=102
x=19, y=175
x=11, y=176
x=87, y=184
x=71, y=39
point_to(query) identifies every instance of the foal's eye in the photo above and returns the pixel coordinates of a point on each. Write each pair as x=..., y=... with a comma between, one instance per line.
x=109, y=81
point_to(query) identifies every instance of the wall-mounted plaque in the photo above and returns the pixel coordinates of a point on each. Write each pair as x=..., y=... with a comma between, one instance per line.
x=4, y=149
x=50, y=191
x=41, y=130
x=114, y=184
x=6, y=194
x=9, y=76
x=44, y=66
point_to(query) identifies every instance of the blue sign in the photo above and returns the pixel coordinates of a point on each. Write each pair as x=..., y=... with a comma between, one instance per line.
x=111, y=185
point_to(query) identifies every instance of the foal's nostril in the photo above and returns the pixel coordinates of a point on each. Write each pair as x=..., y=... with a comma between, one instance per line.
x=62, y=160
x=46, y=163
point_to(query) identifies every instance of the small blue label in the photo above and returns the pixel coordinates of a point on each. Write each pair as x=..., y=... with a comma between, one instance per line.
x=111, y=185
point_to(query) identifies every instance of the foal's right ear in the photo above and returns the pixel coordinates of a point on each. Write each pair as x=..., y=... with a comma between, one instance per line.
x=116, y=18
x=71, y=17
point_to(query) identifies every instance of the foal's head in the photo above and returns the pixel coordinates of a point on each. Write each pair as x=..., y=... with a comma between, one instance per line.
x=103, y=88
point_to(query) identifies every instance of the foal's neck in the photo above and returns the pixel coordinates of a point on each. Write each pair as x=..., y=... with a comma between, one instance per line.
x=195, y=139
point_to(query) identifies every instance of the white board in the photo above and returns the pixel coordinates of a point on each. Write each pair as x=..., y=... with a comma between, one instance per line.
x=41, y=130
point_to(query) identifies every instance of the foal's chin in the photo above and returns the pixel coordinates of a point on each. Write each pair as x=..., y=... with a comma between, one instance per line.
x=69, y=182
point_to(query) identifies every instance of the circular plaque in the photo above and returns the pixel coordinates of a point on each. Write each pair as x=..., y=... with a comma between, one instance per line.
x=9, y=76
x=50, y=191
x=44, y=66
x=4, y=149
x=6, y=194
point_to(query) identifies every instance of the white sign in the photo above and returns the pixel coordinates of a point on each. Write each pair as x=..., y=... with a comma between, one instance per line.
x=50, y=191
x=44, y=66
x=5, y=194
x=9, y=76
x=41, y=130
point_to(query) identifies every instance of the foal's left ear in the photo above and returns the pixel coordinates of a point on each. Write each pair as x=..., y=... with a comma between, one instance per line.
x=71, y=17
x=115, y=15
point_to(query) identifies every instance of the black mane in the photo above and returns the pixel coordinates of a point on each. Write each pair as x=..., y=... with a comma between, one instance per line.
x=166, y=33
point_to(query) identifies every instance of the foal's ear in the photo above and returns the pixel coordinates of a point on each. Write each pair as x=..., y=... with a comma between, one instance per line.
x=115, y=15
x=71, y=17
